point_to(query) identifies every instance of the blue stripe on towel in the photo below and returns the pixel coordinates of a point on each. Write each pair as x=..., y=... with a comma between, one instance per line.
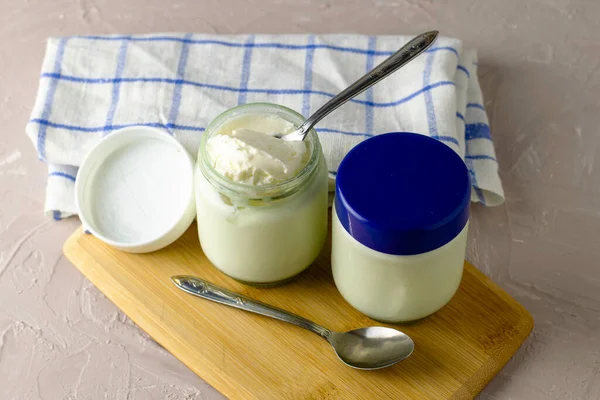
x=463, y=69
x=476, y=105
x=481, y=157
x=246, y=90
x=275, y=45
x=477, y=131
x=308, y=65
x=185, y=49
x=62, y=175
x=117, y=84
x=429, y=106
x=189, y=128
x=478, y=191
x=41, y=139
x=372, y=44
x=77, y=128
x=246, y=70
x=344, y=132
x=448, y=139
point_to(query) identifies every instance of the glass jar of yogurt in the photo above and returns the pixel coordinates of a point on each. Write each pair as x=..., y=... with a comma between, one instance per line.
x=261, y=201
x=400, y=222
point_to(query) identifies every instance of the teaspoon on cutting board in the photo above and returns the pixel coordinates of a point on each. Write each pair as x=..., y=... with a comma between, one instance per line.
x=397, y=60
x=365, y=348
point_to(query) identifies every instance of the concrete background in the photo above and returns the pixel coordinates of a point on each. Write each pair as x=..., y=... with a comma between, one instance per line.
x=540, y=72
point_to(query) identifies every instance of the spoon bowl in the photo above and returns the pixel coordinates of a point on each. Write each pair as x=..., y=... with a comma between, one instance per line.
x=371, y=348
x=365, y=348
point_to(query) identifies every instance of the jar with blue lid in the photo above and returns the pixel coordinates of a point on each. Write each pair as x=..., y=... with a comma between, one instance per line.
x=400, y=222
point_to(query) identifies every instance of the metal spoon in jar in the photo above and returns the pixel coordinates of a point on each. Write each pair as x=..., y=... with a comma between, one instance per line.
x=365, y=348
x=402, y=57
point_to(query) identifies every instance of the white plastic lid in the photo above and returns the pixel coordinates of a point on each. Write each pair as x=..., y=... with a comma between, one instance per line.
x=135, y=190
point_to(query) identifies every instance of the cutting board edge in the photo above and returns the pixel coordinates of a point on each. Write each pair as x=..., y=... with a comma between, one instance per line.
x=482, y=377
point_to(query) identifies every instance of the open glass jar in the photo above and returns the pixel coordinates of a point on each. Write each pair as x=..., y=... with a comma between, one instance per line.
x=262, y=235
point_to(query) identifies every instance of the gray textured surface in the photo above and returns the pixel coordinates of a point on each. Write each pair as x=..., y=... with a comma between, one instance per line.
x=540, y=72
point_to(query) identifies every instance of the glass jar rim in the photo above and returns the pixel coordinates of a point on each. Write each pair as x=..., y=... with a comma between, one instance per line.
x=277, y=190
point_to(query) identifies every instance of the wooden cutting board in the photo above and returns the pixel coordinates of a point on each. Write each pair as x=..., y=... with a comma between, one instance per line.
x=245, y=356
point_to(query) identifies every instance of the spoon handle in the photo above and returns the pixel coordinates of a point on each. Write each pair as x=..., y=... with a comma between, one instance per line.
x=206, y=290
x=400, y=58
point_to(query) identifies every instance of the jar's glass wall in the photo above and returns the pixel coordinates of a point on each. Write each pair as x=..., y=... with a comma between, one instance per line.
x=267, y=235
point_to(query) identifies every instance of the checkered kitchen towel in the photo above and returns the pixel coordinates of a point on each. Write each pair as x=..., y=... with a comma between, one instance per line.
x=93, y=85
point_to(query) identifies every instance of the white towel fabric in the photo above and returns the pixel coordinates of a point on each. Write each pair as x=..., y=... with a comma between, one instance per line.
x=93, y=85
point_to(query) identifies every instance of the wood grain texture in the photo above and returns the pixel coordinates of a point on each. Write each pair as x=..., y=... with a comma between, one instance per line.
x=246, y=356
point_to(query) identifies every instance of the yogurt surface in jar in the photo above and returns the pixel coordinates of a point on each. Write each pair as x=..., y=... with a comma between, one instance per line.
x=261, y=201
x=246, y=151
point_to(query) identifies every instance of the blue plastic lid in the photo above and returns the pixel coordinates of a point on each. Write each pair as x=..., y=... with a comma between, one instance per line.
x=402, y=193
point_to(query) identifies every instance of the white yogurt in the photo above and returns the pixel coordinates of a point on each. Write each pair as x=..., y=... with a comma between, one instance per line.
x=261, y=201
x=255, y=157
